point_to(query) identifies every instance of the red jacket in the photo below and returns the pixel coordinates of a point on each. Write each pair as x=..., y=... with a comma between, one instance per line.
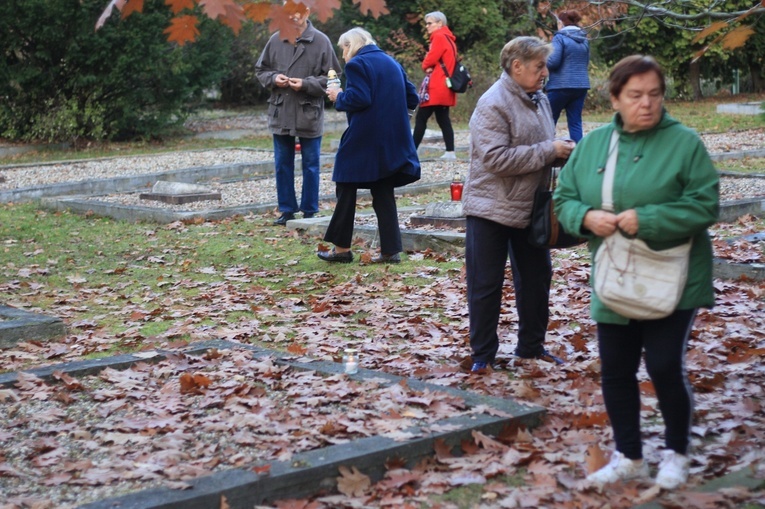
x=442, y=48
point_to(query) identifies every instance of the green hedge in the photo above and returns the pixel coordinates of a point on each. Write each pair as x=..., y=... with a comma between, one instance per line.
x=61, y=80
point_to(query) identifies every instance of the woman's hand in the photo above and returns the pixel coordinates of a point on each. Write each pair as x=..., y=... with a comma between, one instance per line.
x=600, y=222
x=429, y=70
x=332, y=93
x=563, y=148
x=627, y=221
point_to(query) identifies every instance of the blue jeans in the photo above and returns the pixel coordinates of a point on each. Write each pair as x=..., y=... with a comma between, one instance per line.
x=571, y=100
x=284, y=159
x=487, y=246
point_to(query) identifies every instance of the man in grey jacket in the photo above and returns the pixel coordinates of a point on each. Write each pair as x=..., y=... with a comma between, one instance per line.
x=296, y=74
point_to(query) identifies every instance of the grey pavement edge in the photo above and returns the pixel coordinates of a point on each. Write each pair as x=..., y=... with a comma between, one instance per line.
x=314, y=471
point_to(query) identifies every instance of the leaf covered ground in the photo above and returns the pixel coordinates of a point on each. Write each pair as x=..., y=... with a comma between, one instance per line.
x=123, y=287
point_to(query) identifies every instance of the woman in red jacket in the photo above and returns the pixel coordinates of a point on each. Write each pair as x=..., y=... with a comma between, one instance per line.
x=439, y=96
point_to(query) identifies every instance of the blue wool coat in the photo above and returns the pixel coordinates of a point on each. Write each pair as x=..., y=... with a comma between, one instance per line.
x=570, y=59
x=378, y=142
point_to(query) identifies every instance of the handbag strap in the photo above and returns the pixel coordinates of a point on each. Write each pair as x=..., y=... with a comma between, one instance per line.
x=608, y=177
x=441, y=60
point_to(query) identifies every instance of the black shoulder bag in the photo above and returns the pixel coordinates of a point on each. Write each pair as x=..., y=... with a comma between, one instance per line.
x=545, y=231
x=459, y=80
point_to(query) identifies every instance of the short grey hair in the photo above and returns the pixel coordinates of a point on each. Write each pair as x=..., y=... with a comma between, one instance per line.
x=355, y=39
x=525, y=49
x=438, y=16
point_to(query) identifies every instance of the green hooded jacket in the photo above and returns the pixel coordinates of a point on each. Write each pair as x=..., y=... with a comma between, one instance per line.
x=666, y=175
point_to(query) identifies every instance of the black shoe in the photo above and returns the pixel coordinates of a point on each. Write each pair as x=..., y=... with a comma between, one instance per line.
x=383, y=258
x=308, y=215
x=545, y=356
x=332, y=256
x=287, y=216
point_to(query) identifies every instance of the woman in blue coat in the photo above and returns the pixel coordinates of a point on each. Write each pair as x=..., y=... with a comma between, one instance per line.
x=569, y=79
x=377, y=150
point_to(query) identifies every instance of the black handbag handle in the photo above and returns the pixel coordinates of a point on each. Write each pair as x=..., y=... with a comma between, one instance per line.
x=456, y=59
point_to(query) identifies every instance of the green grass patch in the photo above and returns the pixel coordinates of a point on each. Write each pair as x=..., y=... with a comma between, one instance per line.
x=749, y=165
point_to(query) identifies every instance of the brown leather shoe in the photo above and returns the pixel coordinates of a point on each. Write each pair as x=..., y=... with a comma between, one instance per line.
x=383, y=258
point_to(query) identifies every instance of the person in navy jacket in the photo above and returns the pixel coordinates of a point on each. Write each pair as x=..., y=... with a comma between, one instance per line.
x=377, y=150
x=568, y=64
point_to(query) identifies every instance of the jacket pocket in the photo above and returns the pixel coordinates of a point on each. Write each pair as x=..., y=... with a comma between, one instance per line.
x=311, y=112
x=274, y=107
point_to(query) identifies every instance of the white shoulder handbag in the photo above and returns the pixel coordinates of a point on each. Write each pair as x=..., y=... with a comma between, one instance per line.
x=631, y=278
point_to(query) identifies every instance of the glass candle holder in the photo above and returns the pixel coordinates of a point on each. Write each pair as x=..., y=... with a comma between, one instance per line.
x=456, y=190
x=351, y=361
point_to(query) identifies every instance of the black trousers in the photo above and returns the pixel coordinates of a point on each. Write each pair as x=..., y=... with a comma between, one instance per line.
x=340, y=229
x=487, y=246
x=443, y=120
x=664, y=342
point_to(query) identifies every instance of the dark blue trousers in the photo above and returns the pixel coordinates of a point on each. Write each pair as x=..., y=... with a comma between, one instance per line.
x=487, y=246
x=664, y=342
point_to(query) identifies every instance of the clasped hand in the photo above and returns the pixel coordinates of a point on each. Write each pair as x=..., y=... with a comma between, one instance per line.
x=282, y=81
x=603, y=223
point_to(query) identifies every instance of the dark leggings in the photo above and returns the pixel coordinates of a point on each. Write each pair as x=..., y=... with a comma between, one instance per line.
x=444, y=122
x=621, y=349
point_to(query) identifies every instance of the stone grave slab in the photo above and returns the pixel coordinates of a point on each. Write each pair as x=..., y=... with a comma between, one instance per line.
x=748, y=108
x=442, y=214
x=17, y=325
x=313, y=471
x=179, y=193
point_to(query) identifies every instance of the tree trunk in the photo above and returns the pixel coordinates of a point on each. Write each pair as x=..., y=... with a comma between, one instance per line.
x=758, y=83
x=694, y=79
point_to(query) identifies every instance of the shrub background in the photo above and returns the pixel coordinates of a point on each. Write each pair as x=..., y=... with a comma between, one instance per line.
x=60, y=79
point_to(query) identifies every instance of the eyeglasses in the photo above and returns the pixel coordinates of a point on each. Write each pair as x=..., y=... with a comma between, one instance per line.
x=428, y=23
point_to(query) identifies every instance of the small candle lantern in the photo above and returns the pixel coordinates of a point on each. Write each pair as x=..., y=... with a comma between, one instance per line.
x=351, y=361
x=297, y=147
x=456, y=186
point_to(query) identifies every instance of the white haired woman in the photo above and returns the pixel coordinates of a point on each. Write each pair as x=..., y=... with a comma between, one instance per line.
x=377, y=150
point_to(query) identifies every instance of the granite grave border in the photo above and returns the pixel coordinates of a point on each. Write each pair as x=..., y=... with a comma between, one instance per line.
x=311, y=472
x=17, y=325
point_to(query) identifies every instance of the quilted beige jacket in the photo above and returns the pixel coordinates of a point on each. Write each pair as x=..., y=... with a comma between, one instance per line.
x=511, y=152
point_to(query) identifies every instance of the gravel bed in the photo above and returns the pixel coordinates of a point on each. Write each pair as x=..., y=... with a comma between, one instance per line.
x=18, y=177
x=35, y=175
x=263, y=190
x=250, y=192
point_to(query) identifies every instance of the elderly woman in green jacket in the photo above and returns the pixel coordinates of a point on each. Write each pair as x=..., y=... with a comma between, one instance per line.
x=665, y=192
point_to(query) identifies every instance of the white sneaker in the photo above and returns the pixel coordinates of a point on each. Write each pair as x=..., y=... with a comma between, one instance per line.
x=673, y=470
x=620, y=467
x=449, y=156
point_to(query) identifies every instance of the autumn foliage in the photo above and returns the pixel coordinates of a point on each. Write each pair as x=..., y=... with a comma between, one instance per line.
x=184, y=25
